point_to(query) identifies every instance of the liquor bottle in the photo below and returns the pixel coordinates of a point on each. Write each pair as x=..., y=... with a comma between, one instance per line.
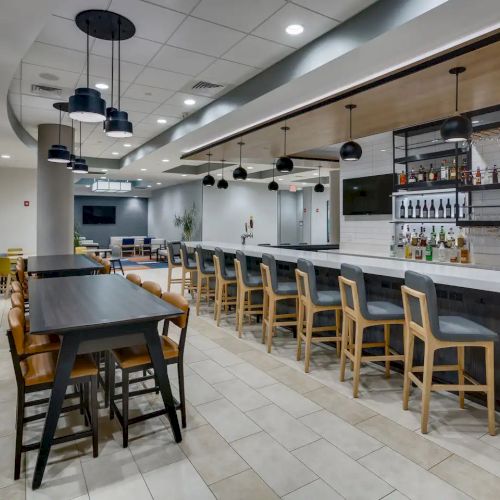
x=442, y=252
x=448, y=209
x=431, y=176
x=401, y=237
x=402, y=178
x=460, y=239
x=494, y=175
x=421, y=174
x=418, y=210
x=410, y=210
x=414, y=238
x=392, y=248
x=425, y=211
x=444, y=171
x=432, y=211
x=477, y=178
x=408, y=251
x=433, y=240
x=412, y=178
x=440, y=210
x=442, y=235
x=428, y=252
x=423, y=237
x=453, y=170
x=450, y=239
x=402, y=210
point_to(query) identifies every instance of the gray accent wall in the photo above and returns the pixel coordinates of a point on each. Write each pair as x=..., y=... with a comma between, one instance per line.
x=131, y=218
x=173, y=200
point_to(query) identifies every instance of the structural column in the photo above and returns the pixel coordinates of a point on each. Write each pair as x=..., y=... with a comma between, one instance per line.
x=55, y=200
x=335, y=207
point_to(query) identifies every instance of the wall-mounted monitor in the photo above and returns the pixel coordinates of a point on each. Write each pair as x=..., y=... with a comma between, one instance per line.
x=94, y=214
x=368, y=195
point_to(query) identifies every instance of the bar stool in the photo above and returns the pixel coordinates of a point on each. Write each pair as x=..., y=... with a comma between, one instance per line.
x=247, y=283
x=224, y=278
x=440, y=332
x=134, y=278
x=362, y=313
x=173, y=262
x=274, y=292
x=188, y=265
x=205, y=272
x=311, y=302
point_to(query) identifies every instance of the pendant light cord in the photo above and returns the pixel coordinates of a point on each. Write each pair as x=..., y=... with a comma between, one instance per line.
x=119, y=61
x=222, y=161
x=60, y=118
x=80, y=140
x=241, y=146
x=284, y=145
x=72, y=138
x=456, y=92
x=88, y=53
x=274, y=164
x=112, y=65
x=209, y=158
x=350, y=124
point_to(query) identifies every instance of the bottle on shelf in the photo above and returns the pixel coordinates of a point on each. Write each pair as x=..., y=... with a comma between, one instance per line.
x=408, y=251
x=448, y=209
x=454, y=254
x=422, y=237
x=418, y=210
x=402, y=178
x=442, y=252
x=432, y=174
x=414, y=238
x=453, y=170
x=433, y=240
x=450, y=239
x=444, y=170
x=494, y=175
x=413, y=177
x=402, y=210
x=460, y=242
x=428, y=252
x=442, y=235
x=432, y=211
x=401, y=237
x=440, y=210
x=392, y=248
x=477, y=177
x=425, y=210
x=421, y=174
x=410, y=210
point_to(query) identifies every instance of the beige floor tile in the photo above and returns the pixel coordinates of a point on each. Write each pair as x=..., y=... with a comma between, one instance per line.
x=289, y=400
x=6, y=368
x=342, y=473
x=408, y=443
x=251, y=375
x=242, y=396
x=7, y=447
x=236, y=346
x=288, y=431
x=16, y=491
x=297, y=381
x=8, y=390
x=273, y=463
x=212, y=457
x=201, y=343
x=192, y=354
x=211, y=371
x=261, y=360
x=223, y=356
x=396, y=495
x=7, y=416
x=342, y=406
x=178, y=481
x=317, y=490
x=343, y=435
x=244, y=486
x=108, y=431
x=227, y=420
x=468, y=478
x=198, y=391
x=408, y=477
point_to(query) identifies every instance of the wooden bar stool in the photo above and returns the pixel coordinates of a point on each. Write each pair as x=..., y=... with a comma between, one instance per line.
x=205, y=272
x=188, y=266
x=225, y=277
x=173, y=262
x=274, y=292
x=311, y=302
x=134, y=278
x=360, y=314
x=247, y=283
x=441, y=332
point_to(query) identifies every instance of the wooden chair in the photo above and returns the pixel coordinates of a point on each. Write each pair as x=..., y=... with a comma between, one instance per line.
x=311, y=302
x=115, y=258
x=20, y=274
x=276, y=291
x=442, y=332
x=5, y=275
x=134, y=278
x=360, y=314
x=14, y=254
x=136, y=359
x=204, y=272
x=224, y=279
x=188, y=266
x=106, y=267
x=146, y=246
x=152, y=287
x=247, y=284
x=128, y=245
x=35, y=373
x=173, y=262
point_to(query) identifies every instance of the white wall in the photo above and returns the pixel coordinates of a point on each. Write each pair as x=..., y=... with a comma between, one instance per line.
x=225, y=213
x=319, y=217
x=17, y=222
x=367, y=233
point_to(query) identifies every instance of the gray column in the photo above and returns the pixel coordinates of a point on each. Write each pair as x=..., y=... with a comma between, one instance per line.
x=335, y=207
x=55, y=203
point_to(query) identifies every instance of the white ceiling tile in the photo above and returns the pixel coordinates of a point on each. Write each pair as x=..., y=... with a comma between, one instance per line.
x=101, y=66
x=63, y=33
x=185, y=6
x=179, y=97
x=227, y=72
x=314, y=26
x=339, y=9
x=146, y=93
x=152, y=120
x=70, y=9
x=151, y=22
x=257, y=52
x=135, y=116
x=238, y=14
x=128, y=104
x=55, y=57
x=180, y=60
x=146, y=130
x=169, y=110
x=202, y=36
x=32, y=73
x=31, y=101
x=162, y=79
x=135, y=50
x=33, y=116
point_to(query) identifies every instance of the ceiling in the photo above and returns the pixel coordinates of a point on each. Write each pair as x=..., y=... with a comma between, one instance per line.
x=177, y=44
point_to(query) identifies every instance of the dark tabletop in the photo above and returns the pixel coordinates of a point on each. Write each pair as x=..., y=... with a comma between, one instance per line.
x=61, y=305
x=58, y=263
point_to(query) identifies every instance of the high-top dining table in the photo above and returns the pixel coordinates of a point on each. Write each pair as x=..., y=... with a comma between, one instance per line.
x=93, y=314
x=45, y=266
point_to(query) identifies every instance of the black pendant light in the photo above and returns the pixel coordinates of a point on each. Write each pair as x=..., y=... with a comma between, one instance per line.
x=457, y=128
x=80, y=166
x=72, y=156
x=222, y=184
x=58, y=153
x=350, y=151
x=208, y=180
x=117, y=124
x=284, y=163
x=273, y=185
x=319, y=188
x=239, y=173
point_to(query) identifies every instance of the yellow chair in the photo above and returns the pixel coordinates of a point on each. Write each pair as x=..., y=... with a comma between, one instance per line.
x=81, y=250
x=5, y=275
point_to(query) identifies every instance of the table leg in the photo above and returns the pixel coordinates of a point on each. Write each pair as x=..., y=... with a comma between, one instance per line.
x=65, y=362
x=160, y=368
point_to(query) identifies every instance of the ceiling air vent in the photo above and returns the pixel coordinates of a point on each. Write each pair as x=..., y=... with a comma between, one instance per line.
x=46, y=91
x=207, y=85
x=204, y=88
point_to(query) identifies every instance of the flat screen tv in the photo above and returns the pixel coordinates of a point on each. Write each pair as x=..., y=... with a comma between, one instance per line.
x=368, y=195
x=93, y=214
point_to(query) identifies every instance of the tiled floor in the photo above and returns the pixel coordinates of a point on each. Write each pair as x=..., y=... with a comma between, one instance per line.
x=259, y=428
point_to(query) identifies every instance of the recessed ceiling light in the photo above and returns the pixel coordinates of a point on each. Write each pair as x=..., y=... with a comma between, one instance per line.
x=304, y=183
x=294, y=29
x=189, y=102
x=280, y=179
x=149, y=185
x=103, y=177
x=250, y=168
x=87, y=185
x=115, y=153
x=127, y=145
x=5, y=157
x=383, y=150
x=165, y=160
x=104, y=169
x=136, y=196
x=475, y=122
x=143, y=169
x=315, y=174
x=158, y=183
x=184, y=175
x=102, y=86
x=139, y=180
x=161, y=121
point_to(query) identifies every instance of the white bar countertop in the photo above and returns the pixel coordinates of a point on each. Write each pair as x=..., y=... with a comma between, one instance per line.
x=460, y=275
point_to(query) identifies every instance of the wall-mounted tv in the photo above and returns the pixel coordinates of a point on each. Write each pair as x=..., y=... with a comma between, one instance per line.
x=368, y=195
x=95, y=214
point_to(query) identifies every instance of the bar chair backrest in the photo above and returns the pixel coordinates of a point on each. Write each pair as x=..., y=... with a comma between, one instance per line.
x=17, y=324
x=17, y=300
x=134, y=278
x=306, y=281
x=217, y=267
x=184, y=255
x=4, y=266
x=152, y=287
x=266, y=278
x=106, y=267
x=219, y=253
x=272, y=274
x=171, y=255
x=116, y=251
x=177, y=300
x=241, y=267
x=200, y=260
x=352, y=290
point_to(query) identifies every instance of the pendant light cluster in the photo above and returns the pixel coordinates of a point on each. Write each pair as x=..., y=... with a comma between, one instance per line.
x=284, y=163
x=319, y=188
x=58, y=153
x=457, y=128
x=209, y=180
x=239, y=173
x=350, y=151
x=222, y=184
x=273, y=185
x=80, y=165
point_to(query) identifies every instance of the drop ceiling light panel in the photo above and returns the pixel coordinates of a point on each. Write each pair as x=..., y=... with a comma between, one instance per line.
x=197, y=169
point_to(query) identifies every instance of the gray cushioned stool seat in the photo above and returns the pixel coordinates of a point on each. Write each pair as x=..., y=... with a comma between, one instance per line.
x=286, y=288
x=328, y=298
x=384, y=310
x=457, y=328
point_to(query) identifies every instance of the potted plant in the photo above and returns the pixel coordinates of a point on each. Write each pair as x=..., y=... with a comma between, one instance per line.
x=187, y=222
x=76, y=237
